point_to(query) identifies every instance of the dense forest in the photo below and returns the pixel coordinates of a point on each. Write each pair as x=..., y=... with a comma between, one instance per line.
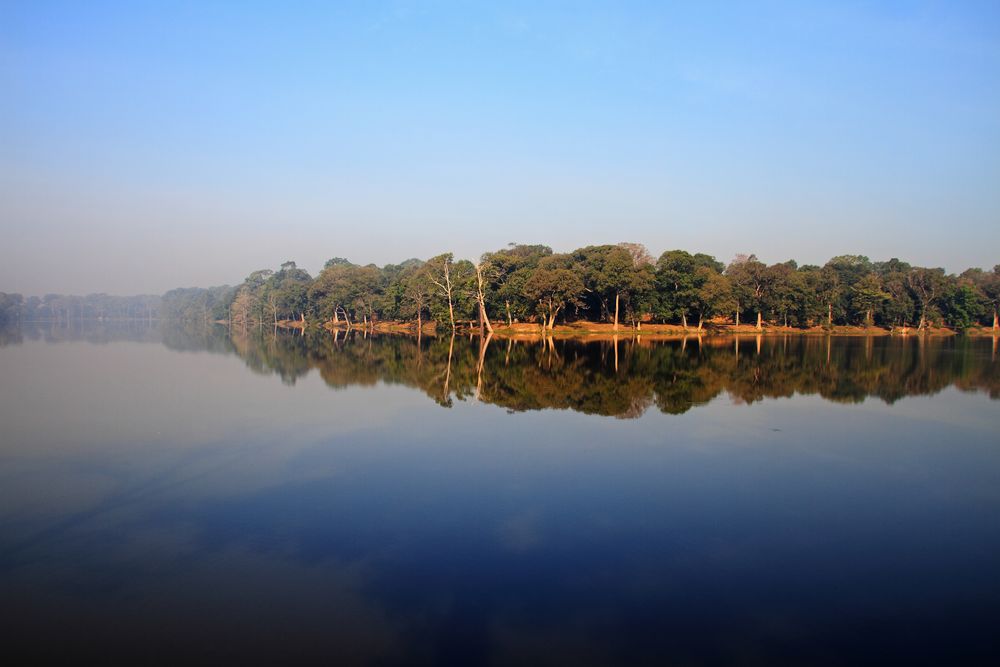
x=622, y=285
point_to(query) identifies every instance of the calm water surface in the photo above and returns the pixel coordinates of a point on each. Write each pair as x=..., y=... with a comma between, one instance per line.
x=167, y=494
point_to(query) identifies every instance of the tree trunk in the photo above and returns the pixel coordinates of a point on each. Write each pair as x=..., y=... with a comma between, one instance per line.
x=759, y=321
x=699, y=322
x=684, y=321
x=510, y=322
x=829, y=314
x=996, y=321
x=616, y=310
x=737, y=316
x=484, y=319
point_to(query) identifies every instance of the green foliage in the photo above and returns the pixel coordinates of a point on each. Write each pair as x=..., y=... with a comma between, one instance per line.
x=964, y=307
x=529, y=282
x=552, y=287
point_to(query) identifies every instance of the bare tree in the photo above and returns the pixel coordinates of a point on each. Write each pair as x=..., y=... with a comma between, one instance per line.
x=443, y=283
x=481, y=267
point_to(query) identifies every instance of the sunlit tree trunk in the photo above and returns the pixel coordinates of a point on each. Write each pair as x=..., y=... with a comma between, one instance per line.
x=617, y=295
x=760, y=323
x=481, y=296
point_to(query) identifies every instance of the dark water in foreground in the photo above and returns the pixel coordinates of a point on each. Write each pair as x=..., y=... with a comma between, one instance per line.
x=169, y=494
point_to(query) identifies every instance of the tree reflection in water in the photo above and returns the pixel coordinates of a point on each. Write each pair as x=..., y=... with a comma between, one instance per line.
x=623, y=377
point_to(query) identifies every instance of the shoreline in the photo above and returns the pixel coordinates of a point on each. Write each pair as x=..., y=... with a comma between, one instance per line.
x=600, y=330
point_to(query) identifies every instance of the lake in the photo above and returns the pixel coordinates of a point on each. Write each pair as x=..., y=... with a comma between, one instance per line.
x=168, y=493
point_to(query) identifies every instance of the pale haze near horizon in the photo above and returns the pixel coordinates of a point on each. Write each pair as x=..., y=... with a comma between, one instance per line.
x=149, y=147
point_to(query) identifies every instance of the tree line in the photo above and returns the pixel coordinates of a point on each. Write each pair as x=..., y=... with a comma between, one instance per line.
x=622, y=285
x=67, y=307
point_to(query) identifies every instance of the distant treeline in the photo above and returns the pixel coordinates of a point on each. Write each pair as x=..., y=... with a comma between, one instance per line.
x=620, y=284
x=66, y=308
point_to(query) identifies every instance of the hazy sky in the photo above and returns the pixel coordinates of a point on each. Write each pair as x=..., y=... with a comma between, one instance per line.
x=145, y=147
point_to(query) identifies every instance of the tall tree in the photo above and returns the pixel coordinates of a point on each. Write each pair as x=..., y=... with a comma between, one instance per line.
x=611, y=272
x=552, y=287
x=678, y=281
x=715, y=296
x=926, y=286
x=440, y=274
x=868, y=297
x=751, y=282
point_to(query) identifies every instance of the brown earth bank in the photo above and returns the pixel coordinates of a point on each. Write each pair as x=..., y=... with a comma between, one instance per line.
x=587, y=329
x=385, y=326
x=982, y=331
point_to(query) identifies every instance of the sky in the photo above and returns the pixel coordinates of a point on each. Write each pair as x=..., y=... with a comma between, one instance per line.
x=146, y=146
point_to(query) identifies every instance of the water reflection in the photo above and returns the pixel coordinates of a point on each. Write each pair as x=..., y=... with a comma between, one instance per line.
x=624, y=377
x=157, y=501
x=620, y=377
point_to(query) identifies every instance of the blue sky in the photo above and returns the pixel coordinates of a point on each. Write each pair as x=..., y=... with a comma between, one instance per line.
x=145, y=146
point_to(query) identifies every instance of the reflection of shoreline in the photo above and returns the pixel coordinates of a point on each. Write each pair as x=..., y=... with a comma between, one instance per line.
x=608, y=375
x=82, y=330
x=624, y=378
